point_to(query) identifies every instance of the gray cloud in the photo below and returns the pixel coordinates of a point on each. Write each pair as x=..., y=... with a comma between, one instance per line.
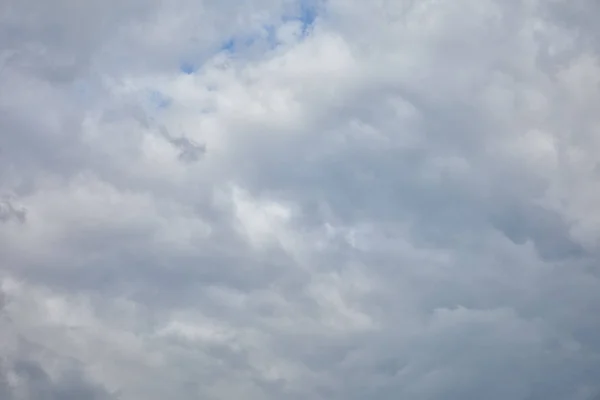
x=189, y=151
x=400, y=203
x=8, y=211
x=34, y=383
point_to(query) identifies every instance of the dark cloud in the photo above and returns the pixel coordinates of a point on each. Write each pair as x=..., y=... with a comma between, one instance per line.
x=189, y=151
x=8, y=211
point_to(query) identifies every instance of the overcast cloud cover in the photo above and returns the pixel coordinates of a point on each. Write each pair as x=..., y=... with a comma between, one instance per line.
x=299, y=199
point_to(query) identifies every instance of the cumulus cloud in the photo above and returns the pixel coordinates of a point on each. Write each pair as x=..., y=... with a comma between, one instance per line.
x=299, y=200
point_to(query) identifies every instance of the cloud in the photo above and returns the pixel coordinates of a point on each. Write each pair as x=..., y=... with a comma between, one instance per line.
x=355, y=200
x=190, y=151
x=32, y=382
x=8, y=211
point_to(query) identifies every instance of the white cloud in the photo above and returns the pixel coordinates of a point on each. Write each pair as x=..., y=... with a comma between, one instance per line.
x=211, y=200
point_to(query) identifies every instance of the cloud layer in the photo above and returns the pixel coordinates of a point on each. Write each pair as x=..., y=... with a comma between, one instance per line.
x=299, y=200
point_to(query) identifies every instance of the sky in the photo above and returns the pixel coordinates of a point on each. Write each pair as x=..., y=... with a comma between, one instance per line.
x=299, y=200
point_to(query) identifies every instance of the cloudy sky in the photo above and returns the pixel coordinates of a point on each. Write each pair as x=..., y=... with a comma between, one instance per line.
x=299, y=199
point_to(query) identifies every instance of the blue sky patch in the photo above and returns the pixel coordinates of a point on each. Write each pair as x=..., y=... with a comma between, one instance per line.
x=271, y=31
x=229, y=45
x=308, y=14
x=159, y=100
x=187, y=68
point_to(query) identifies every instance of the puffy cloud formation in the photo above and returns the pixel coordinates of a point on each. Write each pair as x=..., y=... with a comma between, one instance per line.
x=299, y=199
